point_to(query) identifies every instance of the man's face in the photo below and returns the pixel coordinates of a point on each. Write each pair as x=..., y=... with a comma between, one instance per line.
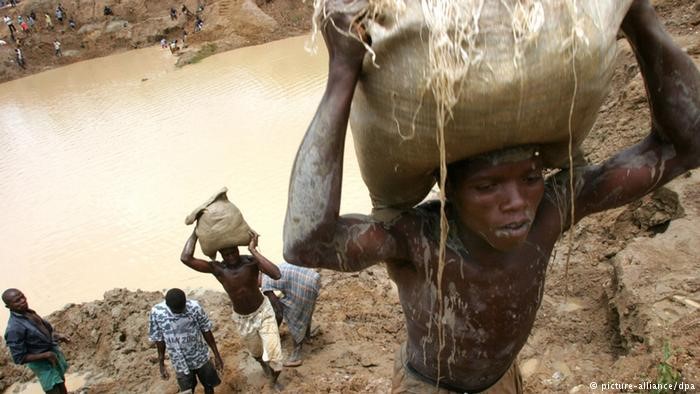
x=16, y=301
x=230, y=255
x=498, y=202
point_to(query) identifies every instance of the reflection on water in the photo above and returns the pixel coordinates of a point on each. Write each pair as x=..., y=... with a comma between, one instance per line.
x=101, y=161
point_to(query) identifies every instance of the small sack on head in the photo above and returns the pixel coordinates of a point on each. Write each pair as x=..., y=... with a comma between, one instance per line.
x=220, y=224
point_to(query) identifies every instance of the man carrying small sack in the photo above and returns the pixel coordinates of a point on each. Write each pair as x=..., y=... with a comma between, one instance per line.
x=221, y=227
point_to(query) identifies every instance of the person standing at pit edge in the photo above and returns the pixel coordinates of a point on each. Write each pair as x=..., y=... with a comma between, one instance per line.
x=33, y=342
x=57, y=48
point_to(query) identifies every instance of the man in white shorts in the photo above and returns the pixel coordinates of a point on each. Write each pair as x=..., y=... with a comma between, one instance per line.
x=252, y=311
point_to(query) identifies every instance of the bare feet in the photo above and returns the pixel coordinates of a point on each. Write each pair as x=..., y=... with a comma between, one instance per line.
x=294, y=359
x=291, y=363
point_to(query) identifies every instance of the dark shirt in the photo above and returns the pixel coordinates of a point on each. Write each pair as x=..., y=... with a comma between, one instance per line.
x=23, y=337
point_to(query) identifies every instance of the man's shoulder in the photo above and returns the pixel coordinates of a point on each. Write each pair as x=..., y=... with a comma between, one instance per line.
x=417, y=222
x=15, y=324
x=15, y=318
x=193, y=304
x=194, y=307
x=248, y=259
x=247, y=262
x=428, y=211
x=556, y=191
x=424, y=216
x=428, y=208
x=196, y=311
x=11, y=323
x=159, y=308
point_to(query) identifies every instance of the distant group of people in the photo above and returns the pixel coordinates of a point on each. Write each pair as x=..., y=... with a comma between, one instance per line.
x=186, y=11
x=13, y=3
x=28, y=23
x=173, y=44
x=263, y=296
x=24, y=23
x=197, y=27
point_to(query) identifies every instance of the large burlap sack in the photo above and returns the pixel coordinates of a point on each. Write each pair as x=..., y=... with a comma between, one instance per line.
x=221, y=224
x=524, y=61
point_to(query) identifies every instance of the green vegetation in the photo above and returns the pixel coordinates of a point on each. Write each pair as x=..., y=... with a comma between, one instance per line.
x=666, y=373
x=205, y=51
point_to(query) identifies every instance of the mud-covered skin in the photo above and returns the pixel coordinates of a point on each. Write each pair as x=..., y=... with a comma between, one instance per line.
x=494, y=269
x=489, y=306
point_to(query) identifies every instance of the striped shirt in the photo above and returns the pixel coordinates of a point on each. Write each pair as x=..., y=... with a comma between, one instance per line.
x=300, y=287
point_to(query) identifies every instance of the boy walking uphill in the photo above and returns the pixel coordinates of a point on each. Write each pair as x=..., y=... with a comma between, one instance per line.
x=252, y=312
x=467, y=320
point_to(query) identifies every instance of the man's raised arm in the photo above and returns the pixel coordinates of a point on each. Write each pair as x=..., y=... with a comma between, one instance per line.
x=314, y=234
x=266, y=266
x=673, y=147
x=187, y=256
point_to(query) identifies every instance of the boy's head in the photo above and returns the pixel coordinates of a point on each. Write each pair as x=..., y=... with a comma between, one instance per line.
x=15, y=300
x=230, y=255
x=175, y=300
x=496, y=195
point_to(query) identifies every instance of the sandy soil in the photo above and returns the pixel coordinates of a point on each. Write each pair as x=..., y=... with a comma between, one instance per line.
x=633, y=286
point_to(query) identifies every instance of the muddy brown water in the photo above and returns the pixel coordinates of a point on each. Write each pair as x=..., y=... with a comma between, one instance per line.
x=102, y=160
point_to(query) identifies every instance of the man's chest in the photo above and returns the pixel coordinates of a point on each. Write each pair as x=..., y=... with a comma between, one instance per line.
x=238, y=274
x=29, y=331
x=510, y=285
